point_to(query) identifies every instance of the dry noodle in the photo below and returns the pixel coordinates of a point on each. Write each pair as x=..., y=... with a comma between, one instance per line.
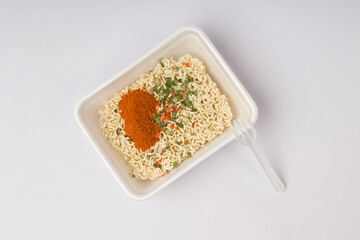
x=212, y=116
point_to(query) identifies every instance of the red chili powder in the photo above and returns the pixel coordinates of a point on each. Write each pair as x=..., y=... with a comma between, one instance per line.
x=137, y=108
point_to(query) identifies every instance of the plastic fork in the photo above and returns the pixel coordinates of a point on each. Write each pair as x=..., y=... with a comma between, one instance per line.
x=245, y=133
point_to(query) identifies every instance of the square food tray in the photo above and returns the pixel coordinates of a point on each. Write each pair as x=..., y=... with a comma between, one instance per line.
x=188, y=39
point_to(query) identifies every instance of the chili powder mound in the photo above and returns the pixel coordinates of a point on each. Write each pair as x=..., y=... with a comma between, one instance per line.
x=137, y=108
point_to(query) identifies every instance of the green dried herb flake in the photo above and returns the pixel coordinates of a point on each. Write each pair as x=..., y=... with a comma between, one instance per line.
x=175, y=164
x=192, y=92
x=157, y=82
x=161, y=62
x=168, y=132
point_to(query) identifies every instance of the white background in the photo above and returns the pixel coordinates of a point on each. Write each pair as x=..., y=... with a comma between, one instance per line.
x=300, y=61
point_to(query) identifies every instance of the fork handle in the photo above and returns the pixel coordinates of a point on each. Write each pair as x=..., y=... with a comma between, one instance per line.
x=278, y=185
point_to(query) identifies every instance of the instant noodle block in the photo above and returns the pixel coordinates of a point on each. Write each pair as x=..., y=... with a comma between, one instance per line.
x=189, y=40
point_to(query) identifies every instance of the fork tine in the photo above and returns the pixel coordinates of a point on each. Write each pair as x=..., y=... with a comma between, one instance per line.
x=241, y=126
x=245, y=132
x=249, y=127
x=236, y=127
x=248, y=131
x=252, y=129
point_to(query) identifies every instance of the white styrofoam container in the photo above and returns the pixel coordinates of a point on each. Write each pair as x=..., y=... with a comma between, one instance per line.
x=188, y=39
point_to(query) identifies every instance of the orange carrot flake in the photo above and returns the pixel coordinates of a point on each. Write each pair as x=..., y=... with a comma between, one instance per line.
x=187, y=64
